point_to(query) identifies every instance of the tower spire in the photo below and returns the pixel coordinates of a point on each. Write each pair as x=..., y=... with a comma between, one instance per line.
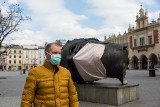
x=159, y=18
x=141, y=11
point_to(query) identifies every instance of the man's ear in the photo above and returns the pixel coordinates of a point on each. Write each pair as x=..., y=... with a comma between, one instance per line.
x=47, y=56
x=45, y=53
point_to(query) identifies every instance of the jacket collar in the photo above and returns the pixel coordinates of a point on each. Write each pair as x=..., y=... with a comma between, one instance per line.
x=48, y=65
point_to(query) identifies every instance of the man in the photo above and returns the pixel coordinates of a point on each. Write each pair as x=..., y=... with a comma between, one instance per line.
x=50, y=85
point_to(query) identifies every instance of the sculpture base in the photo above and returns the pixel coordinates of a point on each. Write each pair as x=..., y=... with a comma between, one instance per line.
x=107, y=93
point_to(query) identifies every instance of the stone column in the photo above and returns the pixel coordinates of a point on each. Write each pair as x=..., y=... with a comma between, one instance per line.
x=140, y=64
x=130, y=64
x=148, y=63
x=158, y=62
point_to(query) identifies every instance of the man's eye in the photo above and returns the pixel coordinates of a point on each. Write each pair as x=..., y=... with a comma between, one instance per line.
x=56, y=53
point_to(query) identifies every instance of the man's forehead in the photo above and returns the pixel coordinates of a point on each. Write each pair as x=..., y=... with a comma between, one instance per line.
x=55, y=47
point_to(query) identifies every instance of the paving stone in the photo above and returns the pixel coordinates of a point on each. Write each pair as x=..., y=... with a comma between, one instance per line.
x=149, y=88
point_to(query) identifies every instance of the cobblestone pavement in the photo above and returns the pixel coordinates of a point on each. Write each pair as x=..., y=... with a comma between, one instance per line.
x=149, y=89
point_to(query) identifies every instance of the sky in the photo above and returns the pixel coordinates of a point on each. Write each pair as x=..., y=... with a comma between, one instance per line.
x=72, y=19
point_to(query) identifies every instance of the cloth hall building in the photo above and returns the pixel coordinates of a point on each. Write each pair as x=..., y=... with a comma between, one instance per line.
x=142, y=40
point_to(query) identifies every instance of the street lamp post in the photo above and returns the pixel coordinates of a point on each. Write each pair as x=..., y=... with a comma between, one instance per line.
x=159, y=59
x=24, y=68
x=34, y=62
x=2, y=62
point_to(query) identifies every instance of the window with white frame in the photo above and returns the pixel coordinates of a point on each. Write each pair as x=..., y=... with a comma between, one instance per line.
x=135, y=42
x=149, y=40
x=142, y=41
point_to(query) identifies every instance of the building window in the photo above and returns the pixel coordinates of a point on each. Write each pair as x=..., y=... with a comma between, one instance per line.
x=14, y=61
x=9, y=67
x=14, y=51
x=19, y=56
x=149, y=40
x=142, y=41
x=19, y=51
x=26, y=56
x=10, y=61
x=19, y=68
x=135, y=42
x=9, y=56
x=143, y=23
x=14, y=56
x=19, y=61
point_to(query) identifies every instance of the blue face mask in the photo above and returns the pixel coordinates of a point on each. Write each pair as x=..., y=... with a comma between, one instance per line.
x=55, y=59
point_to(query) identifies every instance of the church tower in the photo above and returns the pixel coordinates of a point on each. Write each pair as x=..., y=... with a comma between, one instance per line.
x=141, y=18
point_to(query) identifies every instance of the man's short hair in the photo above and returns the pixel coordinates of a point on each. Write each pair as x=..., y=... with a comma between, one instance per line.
x=48, y=46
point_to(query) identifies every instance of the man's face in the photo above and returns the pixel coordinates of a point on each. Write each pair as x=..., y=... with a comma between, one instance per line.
x=54, y=49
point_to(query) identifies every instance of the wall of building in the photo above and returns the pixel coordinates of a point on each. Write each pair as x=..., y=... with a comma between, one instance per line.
x=141, y=53
x=41, y=56
x=14, y=59
x=147, y=50
x=30, y=56
x=24, y=57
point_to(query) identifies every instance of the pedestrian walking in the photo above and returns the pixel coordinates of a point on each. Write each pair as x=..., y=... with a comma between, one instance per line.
x=50, y=85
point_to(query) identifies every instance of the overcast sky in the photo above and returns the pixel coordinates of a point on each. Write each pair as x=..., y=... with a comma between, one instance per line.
x=70, y=19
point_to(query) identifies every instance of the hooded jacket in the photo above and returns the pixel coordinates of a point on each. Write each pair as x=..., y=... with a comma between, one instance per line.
x=46, y=88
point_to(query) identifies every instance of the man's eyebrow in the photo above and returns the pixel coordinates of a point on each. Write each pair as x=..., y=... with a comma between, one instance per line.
x=56, y=52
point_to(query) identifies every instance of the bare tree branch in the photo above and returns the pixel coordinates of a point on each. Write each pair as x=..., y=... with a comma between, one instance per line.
x=10, y=21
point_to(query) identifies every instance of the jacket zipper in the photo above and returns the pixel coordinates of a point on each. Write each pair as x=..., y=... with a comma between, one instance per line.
x=54, y=88
x=41, y=105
